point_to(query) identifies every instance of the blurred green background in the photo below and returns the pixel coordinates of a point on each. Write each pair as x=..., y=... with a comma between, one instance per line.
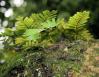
x=11, y=9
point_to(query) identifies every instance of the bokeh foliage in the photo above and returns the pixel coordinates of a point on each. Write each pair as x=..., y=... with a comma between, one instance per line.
x=65, y=8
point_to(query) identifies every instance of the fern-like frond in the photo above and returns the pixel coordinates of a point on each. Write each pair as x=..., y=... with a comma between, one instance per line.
x=24, y=23
x=45, y=15
x=35, y=20
x=32, y=34
x=77, y=26
x=30, y=28
x=49, y=24
x=85, y=35
x=78, y=20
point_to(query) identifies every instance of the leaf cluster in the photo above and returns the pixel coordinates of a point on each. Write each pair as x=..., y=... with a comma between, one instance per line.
x=38, y=26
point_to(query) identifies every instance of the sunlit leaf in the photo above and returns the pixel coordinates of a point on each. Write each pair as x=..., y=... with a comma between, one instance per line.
x=49, y=23
x=33, y=34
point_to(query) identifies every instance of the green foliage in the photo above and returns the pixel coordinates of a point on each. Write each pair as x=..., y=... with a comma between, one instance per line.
x=45, y=30
x=63, y=7
x=77, y=26
x=49, y=24
x=32, y=34
x=36, y=20
x=45, y=15
x=8, y=32
x=33, y=26
x=78, y=20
